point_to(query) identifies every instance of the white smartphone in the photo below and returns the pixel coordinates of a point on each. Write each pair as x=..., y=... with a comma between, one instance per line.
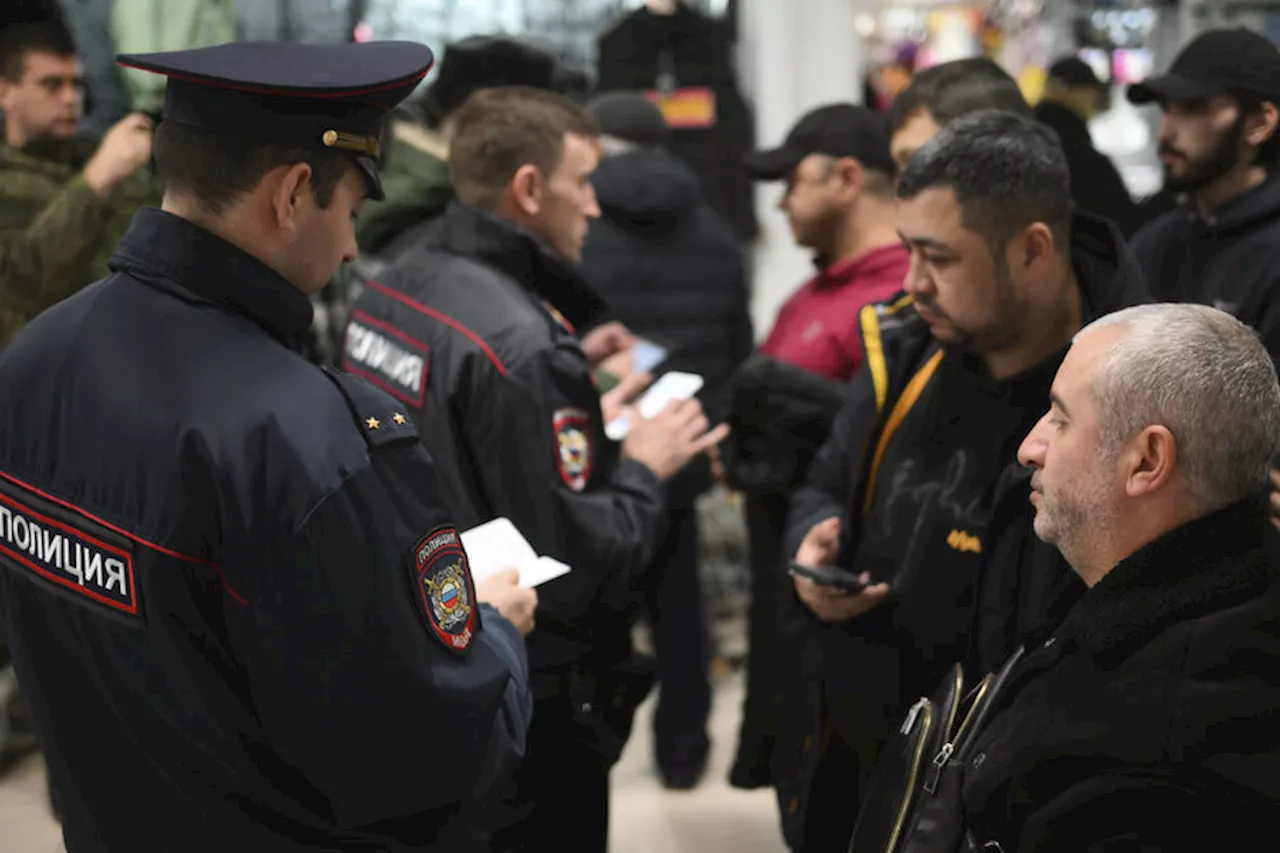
x=672, y=386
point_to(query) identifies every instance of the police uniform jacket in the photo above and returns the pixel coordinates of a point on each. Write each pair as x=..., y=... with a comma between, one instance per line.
x=473, y=332
x=921, y=466
x=235, y=600
x=1147, y=720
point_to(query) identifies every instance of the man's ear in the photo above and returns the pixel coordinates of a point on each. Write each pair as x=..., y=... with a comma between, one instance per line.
x=1150, y=460
x=1262, y=125
x=1032, y=250
x=289, y=194
x=851, y=173
x=527, y=189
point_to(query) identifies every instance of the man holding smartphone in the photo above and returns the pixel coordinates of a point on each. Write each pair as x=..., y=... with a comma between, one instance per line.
x=918, y=492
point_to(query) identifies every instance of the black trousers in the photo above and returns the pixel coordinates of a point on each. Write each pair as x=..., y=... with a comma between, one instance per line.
x=563, y=789
x=834, y=800
x=766, y=526
x=682, y=645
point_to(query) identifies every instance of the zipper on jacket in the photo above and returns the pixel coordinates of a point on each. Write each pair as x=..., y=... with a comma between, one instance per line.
x=924, y=709
x=939, y=763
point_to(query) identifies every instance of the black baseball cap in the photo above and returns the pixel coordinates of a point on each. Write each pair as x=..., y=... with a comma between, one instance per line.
x=1074, y=71
x=311, y=96
x=837, y=130
x=1214, y=63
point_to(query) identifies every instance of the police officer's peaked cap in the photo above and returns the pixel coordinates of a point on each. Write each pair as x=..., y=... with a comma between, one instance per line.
x=301, y=95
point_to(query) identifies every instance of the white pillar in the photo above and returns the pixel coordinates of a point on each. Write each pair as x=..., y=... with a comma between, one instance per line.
x=794, y=55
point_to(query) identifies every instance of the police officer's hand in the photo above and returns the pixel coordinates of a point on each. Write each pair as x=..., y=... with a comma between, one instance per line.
x=124, y=150
x=504, y=593
x=819, y=548
x=607, y=340
x=671, y=439
x=614, y=403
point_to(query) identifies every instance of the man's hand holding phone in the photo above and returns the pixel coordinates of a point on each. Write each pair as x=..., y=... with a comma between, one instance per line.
x=819, y=584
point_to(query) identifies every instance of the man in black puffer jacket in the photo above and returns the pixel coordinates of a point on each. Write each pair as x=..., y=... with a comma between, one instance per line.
x=671, y=269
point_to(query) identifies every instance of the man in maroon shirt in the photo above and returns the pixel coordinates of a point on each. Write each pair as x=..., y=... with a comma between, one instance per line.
x=839, y=201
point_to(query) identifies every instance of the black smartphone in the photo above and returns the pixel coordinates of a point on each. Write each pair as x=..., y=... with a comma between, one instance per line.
x=830, y=576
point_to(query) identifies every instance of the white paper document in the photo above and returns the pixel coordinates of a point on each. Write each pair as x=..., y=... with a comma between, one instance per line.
x=497, y=546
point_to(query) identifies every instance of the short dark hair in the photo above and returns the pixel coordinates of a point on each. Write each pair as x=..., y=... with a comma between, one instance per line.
x=18, y=41
x=953, y=89
x=499, y=130
x=215, y=169
x=1269, y=151
x=1007, y=171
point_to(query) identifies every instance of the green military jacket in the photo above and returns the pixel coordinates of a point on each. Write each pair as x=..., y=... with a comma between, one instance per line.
x=56, y=234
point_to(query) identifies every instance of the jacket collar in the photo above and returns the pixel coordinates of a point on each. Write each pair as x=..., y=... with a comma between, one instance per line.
x=165, y=247
x=521, y=255
x=1203, y=566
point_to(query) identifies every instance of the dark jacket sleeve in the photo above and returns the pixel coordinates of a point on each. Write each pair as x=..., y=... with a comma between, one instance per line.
x=1146, y=810
x=353, y=689
x=832, y=477
x=606, y=534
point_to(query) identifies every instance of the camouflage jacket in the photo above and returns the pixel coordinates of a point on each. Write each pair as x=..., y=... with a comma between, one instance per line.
x=56, y=234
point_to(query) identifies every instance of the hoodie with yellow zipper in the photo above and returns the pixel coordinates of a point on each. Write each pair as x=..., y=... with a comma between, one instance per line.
x=922, y=468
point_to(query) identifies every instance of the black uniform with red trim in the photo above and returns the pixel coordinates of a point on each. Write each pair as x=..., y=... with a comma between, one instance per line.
x=473, y=332
x=237, y=604
x=921, y=467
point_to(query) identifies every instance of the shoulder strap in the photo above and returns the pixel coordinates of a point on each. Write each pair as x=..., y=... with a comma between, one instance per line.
x=380, y=419
x=894, y=397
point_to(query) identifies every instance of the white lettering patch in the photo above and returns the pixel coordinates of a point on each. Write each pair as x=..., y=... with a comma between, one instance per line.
x=387, y=357
x=67, y=550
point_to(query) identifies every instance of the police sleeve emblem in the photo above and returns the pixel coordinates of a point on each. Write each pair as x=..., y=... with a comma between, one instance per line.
x=573, y=447
x=444, y=590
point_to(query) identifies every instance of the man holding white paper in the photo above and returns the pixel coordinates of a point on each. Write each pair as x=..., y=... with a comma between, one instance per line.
x=474, y=334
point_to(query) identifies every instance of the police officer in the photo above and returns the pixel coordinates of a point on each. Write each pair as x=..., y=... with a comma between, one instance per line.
x=241, y=612
x=473, y=331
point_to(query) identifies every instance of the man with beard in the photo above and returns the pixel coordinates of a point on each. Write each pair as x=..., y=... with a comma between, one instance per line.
x=1219, y=145
x=1146, y=720
x=67, y=201
x=918, y=492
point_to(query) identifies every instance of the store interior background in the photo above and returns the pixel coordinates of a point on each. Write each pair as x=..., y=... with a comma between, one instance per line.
x=790, y=56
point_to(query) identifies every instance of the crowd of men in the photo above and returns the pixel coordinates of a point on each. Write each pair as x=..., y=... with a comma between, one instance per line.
x=1007, y=426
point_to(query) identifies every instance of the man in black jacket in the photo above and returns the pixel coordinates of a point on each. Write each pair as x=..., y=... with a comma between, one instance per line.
x=918, y=488
x=474, y=332
x=669, y=267
x=1147, y=719
x=1073, y=95
x=1220, y=147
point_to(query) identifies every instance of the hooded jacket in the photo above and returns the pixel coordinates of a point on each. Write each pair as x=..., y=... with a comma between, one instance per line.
x=669, y=268
x=921, y=467
x=1229, y=259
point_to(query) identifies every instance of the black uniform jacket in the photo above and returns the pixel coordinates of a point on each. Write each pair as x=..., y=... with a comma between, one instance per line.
x=467, y=332
x=922, y=467
x=235, y=600
x=1148, y=720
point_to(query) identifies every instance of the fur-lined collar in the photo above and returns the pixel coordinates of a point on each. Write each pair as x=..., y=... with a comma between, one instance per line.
x=1206, y=565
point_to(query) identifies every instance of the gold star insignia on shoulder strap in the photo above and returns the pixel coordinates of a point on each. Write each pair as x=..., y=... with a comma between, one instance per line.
x=373, y=423
x=399, y=418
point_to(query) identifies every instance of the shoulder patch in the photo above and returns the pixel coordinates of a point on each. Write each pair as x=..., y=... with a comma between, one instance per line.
x=68, y=553
x=378, y=417
x=574, y=450
x=444, y=589
x=388, y=357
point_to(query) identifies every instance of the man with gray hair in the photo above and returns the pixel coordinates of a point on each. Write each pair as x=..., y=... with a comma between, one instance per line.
x=918, y=493
x=1147, y=720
